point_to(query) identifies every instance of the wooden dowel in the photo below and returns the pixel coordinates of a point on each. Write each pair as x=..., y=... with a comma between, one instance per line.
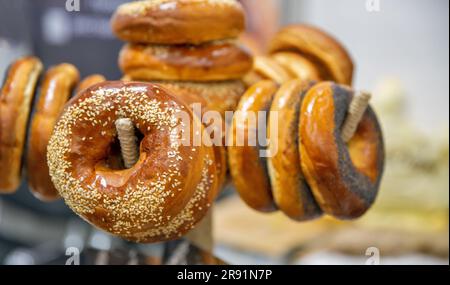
x=128, y=142
x=357, y=108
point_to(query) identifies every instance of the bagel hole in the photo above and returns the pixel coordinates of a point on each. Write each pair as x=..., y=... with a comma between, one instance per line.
x=114, y=159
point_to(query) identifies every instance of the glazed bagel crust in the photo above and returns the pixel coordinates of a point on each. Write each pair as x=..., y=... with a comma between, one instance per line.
x=178, y=21
x=289, y=187
x=344, y=178
x=55, y=91
x=248, y=169
x=297, y=65
x=169, y=189
x=326, y=53
x=208, y=62
x=15, y=102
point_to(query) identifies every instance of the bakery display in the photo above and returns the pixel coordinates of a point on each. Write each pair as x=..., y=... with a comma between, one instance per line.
x=111, y=150
x=55, y=90
x=16, y=98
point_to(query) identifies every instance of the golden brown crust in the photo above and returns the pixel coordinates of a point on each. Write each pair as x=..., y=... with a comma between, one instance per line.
x=89, y=81
x=298, y=66
x=289, y=187
x=15, y=103
x=208, y=62
x=178, y=21
x=247, y=169
x=343, y=178
x=55, y=91
x=327, y=54
x=269, y=69
x=164, y=195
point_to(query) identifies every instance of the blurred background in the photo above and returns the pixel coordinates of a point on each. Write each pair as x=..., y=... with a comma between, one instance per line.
x=401, y=51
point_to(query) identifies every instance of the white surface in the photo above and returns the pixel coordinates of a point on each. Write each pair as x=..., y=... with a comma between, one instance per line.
x=406, y=39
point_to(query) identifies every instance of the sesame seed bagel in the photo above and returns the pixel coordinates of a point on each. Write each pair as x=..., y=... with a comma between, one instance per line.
x=326, y=53
x=247, y=168
x=178, y=21
x=55, y=91
x=16, y=97
x=215, y=61
x=164, y=194
x=289, y=187
x=344, y=177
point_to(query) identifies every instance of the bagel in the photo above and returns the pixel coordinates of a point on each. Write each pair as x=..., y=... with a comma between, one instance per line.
x=290, y=190
x=208, y=62
x=216, y=96
x=247, y=168
x=327, y=54
x=16, y=97
x=164, y=195
x=344, y=178
x=178, y=21
x=56, y=89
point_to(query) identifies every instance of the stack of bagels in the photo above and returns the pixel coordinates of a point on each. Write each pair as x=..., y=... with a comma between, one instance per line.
x=187, y=46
